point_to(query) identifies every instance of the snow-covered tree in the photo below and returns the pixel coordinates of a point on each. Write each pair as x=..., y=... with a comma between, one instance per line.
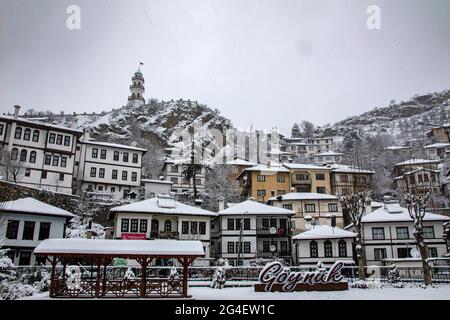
x=416, y=205
x=218, y=184
x=296, y=132
x=11, y=164
x=355, y=204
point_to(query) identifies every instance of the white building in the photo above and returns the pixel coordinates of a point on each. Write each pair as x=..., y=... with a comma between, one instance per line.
x=388, y=236
x=250, y=230
x=108, y=170
x=299, y=149
x=24, y=223
x=162, y=218
x=323, y=243
x=152, y=188
x=438, y=151
x=41, y=155
x=173, y=172
x=327, y=157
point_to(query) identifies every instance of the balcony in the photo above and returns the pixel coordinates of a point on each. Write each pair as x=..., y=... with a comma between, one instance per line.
x=135, y=98
x=137, y=87
x=164, y=235
x=280, y=232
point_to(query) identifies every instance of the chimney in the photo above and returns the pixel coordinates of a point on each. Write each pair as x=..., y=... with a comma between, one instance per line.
x=16, y=111
x=74, y=123
x=328, y=217
x=221, y=203
x=308, y=222
x=87, y=134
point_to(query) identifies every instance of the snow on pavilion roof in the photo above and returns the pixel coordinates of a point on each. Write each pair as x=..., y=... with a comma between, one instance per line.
x=251, y=207
x=78, y=246
x=32, y=206
x=324, y=232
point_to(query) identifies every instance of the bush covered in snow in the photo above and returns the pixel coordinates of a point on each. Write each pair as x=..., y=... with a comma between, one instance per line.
x=366, y=284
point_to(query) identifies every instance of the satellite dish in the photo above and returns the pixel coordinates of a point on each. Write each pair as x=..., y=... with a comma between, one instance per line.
x=273, y=247
x=414, y=253
x=273, y=230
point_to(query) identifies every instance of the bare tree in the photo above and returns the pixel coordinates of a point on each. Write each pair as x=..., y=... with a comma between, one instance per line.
x=12, y=166
x=416, y=205
x=355, y=204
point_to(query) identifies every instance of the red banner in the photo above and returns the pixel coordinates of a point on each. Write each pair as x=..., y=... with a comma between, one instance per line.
x=133, y=236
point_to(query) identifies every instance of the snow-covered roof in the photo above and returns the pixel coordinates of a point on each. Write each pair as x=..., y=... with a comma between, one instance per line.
x=393, y=148
x=156, y=181
x=301, y=166
x=394, y=212
x=32, y=206
x=324, y=232
x=41, y=124
x=437, y=145
x=305, y=196
x=120, y=247
x=241, y=162
x=415, y=161
x=113, y=145
x=328, y=153
x=347, y=169
x=163, y=205
x=264, y=168
x=251, y=207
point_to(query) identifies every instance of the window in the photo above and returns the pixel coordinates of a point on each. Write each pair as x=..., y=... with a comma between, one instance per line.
x=261, y=178
x=403, y=253
x=273, y=223
x=28, y=230
x=238, y=224
x=52, y=138
x=44, y=174
x=134, y=176
x=287, y=206
x=261, y=193
x=174, y=180
x=328, y=249
x=313, y=249
x=63, y=162
x=23, y=155
x=332, y=207
x=59, y=139
x=100, y=188
x=342, y=246
x=284, y=247
x=246, y=247
x=67, y=141
x=48, y=159
x=402, y=233
x=14, y=154
x=61, y=177
x=55, y=161
x=433, y=252
x=125, y=157
x=378, y=233
x=281, y=178
x=94, y=153
x=230, y=223
x=379, y=254
x=93, y=172
x=184, y=227
x=143, y=226
x=230, y=247
x=246, y=224
x=198, y=181
x=101, y=172
x=25, y=258
x=194, y=227
x=125, y=224
x=33, y=157
x=321, y=190
x=174, y=168
x=320, y=176
x=18, y=133
x=343, y=178
x=266, y=246
x=103, y=154
x=135, y=158
x=202, y=227
x=116, y=156
x=134, y=225
x=124, y=175
x=302, y=176
x=12, y=229
x=114, y=175
x=44, y=230
x=167, y=226
x=27, y=172
x=428, y=232
x=265, y=223
x=113, y=189
x=1, y=129
x=310, y=208
x=126, y=192
x=27, y=134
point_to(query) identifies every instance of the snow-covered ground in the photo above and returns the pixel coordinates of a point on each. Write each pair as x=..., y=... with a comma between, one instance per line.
x=441, y=292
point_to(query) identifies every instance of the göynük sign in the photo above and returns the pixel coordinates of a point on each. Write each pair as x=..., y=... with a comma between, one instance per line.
x=274, y=277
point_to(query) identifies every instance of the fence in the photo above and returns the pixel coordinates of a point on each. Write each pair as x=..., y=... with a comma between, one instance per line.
x=440, y=274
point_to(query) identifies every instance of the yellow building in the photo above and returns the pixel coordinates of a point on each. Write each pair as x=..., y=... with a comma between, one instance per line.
x=309, y=178
x=262, y=182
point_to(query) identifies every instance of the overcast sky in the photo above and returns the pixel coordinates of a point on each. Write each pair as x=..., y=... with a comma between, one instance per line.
x=262, y=62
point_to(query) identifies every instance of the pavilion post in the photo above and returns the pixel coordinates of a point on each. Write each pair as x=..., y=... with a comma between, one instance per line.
x=52, y=279
x=144, y=263
x=185, y=276
x=105, y=265
x=97, y=278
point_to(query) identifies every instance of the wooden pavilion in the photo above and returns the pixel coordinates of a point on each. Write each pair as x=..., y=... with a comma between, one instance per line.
x=97, y=256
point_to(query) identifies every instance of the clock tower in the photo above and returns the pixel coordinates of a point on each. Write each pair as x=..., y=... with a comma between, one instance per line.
x=136, y=98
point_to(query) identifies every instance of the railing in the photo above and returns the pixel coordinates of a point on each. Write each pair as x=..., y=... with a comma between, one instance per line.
x=281, y=232
x=164, y=235
x=136, y=86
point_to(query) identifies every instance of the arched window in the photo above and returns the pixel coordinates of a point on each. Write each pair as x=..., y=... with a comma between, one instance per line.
x=167, y=225
x=14, y=154
x=328, y=249
x=23, y=155
x=33, y=157
x=36, y=136
x=342, y=248
x=313, y=252
x=18, y=133
x=27, y=134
